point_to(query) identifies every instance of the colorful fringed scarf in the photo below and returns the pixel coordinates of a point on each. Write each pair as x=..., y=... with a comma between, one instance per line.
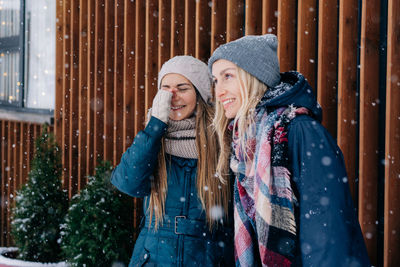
x=265, y=227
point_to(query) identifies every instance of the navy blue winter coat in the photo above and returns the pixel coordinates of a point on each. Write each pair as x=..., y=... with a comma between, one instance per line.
x=183, y=239
x=328, y=231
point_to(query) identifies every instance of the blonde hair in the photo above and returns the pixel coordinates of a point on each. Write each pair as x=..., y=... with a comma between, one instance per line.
x=251, y=90
x=213, y=194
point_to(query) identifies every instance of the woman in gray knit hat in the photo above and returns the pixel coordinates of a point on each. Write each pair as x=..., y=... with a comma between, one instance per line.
x=172, y=164
x=292, y=203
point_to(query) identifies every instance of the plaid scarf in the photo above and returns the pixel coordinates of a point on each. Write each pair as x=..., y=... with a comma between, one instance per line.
x=265, y=226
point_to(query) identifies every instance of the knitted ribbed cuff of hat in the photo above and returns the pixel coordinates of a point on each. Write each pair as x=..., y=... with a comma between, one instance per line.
x=191, y=68
x=256, y=54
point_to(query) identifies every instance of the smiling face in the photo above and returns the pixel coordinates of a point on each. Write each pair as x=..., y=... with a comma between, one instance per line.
x=227, y=86
x=184, y=100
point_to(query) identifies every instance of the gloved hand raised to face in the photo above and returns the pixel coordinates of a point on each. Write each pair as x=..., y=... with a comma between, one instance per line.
x=162, y=105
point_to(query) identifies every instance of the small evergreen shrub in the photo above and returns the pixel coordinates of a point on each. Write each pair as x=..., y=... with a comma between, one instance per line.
x=98, y=228
x=41, y=205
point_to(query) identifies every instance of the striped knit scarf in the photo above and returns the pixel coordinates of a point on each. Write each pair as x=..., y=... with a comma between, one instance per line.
x=180, y=139
x=265, y=227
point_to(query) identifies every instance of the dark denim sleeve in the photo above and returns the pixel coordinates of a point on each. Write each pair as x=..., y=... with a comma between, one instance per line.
x=328, y=229
x=132, y=175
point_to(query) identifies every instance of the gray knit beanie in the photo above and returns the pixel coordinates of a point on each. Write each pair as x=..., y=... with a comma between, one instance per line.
x=192, y=69
x=256, y=54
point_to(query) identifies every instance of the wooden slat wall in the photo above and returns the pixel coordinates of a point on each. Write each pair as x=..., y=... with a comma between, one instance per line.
x=110, y=51
x=3, y=214
x=234, y=19
x=83, y=92
x=269, y=16
x=253, y=17
x=98, y=76
x=306, y=39
x=347, y=87
x=369, y=123
x=151, y=47
x=140, y=48
x=108, y=79
x=90, y=100
x=66, y=110
x=74, y=95
x=118, y=144
x=392, y=138
x=190, y=28
x=16, y=145
x=203, y=22
x=218, y=23
x=286, y=33
x=328, y=62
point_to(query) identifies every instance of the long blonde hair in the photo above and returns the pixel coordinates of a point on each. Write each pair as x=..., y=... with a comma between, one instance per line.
x=213, y=194
x=251, y=90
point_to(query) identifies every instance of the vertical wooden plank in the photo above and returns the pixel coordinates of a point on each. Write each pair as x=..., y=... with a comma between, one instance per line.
x=287, y=34
x=118, y=81
x=36, y=134
x=109, y=80
x=140, y=49
x=74, y=99
x=38, y=131
x=24, y=152
x=10, y=174
x=203, y=27
x=369, y=124
x=98, y=129
x=140, y=40
x=253, y=17
x=328, y=63
x=91, y=76
x=16, y=168
x=66, y=92
x=39, y=127
x=128, y=75
x=164, y=31
x=6, y=165
x=3, y=173
x=234, y=19
x=82, y=93
x=306, y=40
x=17, y=156
x=177, y=27
x=151, y=55
x=347, y=86
x=29, y=147
x=190, y=27
x=1, y=181
x=21, y=156
x=60, y=65
x=218, y=24
x=15, y=147
x=392, y=144
x=269, y=16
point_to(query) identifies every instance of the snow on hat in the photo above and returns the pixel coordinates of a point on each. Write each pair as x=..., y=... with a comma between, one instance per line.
x=191, y=68
x=256, y=54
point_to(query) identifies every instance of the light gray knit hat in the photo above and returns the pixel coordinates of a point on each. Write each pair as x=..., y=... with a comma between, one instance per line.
x=191, y=68
x=256, y=54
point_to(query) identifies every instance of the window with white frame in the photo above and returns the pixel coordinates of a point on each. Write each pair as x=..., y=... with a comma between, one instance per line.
x=27, y=54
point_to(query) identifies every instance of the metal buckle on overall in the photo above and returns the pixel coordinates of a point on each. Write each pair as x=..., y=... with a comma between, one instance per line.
x=176, y=223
